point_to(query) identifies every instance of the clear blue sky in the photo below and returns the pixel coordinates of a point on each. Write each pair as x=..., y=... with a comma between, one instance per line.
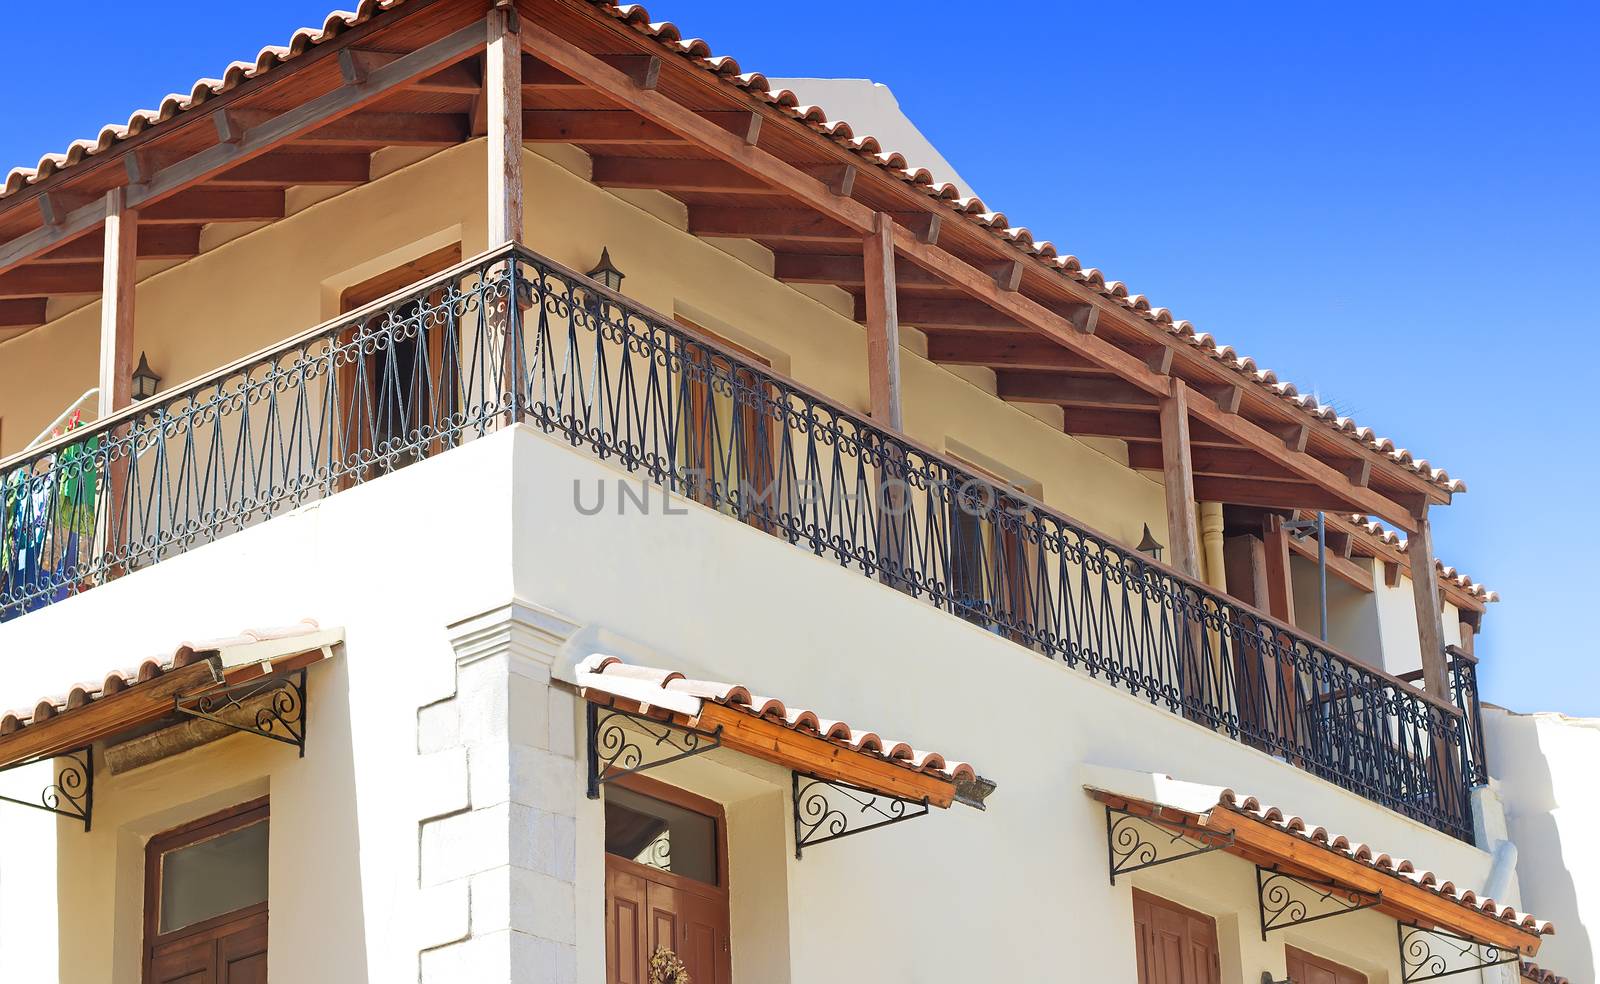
x=1396, y=204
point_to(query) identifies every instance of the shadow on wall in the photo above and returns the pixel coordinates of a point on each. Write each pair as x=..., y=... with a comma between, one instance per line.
x=1546, y=768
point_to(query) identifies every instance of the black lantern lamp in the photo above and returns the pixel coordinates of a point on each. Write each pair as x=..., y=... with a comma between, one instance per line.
x=606, y=273
x=145, y=380
x=1150, y=546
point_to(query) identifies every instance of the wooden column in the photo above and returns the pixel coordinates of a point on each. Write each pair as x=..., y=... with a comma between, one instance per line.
x=1177, y=472
x=116, y=303
x=1279, y=602
x=883, y=324
x=1430, y=612
x=502, y=82
x=1468, y=630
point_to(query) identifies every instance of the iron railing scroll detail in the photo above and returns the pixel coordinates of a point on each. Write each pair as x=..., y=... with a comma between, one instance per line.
x=513, y=337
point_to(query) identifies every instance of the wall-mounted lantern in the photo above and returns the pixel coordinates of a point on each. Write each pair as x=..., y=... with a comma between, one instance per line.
x=606, y=273
x=145, y=380
x=1150, y=546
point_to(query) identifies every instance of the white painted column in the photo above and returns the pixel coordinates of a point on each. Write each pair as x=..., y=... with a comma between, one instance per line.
x=504, y=867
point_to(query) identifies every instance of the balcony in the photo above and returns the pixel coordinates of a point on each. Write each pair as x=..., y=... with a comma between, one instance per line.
x=512, y=337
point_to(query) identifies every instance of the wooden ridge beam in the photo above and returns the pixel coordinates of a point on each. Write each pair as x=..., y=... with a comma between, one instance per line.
x=158, y=242
x=51, y=280
x=810, y=192
x=27, y=312
x=256, y=140
x=204, y=205
x=1038, y=387
x=1004, y=350
x=842, y=270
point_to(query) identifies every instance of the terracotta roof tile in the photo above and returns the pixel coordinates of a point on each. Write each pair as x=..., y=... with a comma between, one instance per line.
x=1533, y=972
x=114, y=681
x=1383, y=534
x=1253, y=808
x=865, y=147
x=610, y=675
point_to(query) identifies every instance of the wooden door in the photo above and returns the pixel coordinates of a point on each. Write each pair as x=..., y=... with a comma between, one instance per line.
x=1307, y=969
x=649, y=906
x=1175, y=945
x=729, y=439
x=206, y=900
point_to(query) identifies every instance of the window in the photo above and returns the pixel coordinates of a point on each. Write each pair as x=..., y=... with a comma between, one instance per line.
x=206, y=900
x=1176, y=945
x=666, y=881
x=991, y=561
x=1307, y=969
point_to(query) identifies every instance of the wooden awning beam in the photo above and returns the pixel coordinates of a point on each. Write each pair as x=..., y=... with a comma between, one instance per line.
x=159, y=242
x=1004, y=350
x=26, y=312
x=840, y=270
x=51, y=280
x=1083, y=391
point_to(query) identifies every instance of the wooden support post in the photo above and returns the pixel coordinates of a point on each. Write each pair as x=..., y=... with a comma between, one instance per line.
x=116, y=303
x=1468, y=631
x=1279, y=600
x=1430, y=614
x=502, y=82
x=1177, y=472
x=883, y=324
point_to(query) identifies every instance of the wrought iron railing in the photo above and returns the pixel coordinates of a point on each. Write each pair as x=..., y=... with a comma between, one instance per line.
x=453, y=358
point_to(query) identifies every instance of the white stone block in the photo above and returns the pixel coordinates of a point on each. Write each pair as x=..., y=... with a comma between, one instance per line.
x=439, y=785
x=440, y=915
x=438, y=727
x=543, y=906
x=465, y=844
x=545, y=843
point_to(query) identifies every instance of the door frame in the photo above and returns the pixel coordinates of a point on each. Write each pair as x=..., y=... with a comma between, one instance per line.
x=205, y=828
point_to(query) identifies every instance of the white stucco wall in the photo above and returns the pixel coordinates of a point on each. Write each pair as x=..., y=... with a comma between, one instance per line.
x=1009, y=894
x=1546, y=766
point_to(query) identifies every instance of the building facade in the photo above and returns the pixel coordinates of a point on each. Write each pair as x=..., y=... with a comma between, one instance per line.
x=495, y=492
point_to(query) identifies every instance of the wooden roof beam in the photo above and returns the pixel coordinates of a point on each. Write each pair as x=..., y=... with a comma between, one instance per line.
x=955, y=313
x=257, y=140
x=1039, y=387
x=643, y=70
x=200, y=206
x=841, y=270
x=287, y=169
x=1004, y=350
x=665, y=112
x=676, y=174
x=767, y=224
x=391, y=130
x=51, y=280
x=1264, y=492
x=1213, y=462
x=358, y=64
x=158, y=242
x=27, y=312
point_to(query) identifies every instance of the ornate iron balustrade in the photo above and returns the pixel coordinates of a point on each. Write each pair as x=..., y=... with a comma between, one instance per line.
x=453, y=358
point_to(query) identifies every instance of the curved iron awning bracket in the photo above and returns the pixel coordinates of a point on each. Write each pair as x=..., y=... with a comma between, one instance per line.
x=272, y=707
x=828, y=809
x=622, y=743
x=1284, y=900
x=70, y=791
x=1135, y=841
x=1429, y=954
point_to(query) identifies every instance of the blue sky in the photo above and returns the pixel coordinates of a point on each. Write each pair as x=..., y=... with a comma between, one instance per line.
x=1394, y=204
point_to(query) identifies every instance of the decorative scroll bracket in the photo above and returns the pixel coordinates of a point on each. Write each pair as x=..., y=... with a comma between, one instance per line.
x=70, y=793
x=1428, y=954
x=1285, y=900
x=272, y=707
x=1128, y=849
x=827, y=809
x=620, y=742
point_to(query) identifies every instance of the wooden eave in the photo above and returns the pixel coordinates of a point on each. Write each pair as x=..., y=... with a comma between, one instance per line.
x=782, y=184
x=798, y=751
x=1405, y=901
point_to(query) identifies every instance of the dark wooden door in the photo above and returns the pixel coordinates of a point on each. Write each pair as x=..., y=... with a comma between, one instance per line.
x=647, y=910
x=1307, y=969
x=233, y=951
x=1175, y=945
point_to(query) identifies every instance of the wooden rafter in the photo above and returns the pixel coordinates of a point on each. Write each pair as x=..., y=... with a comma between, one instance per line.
x=156, y=242
x=1004, y=350
x=51, y=280
x=1090, y=391
x=840, y=270
x=27, y=312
